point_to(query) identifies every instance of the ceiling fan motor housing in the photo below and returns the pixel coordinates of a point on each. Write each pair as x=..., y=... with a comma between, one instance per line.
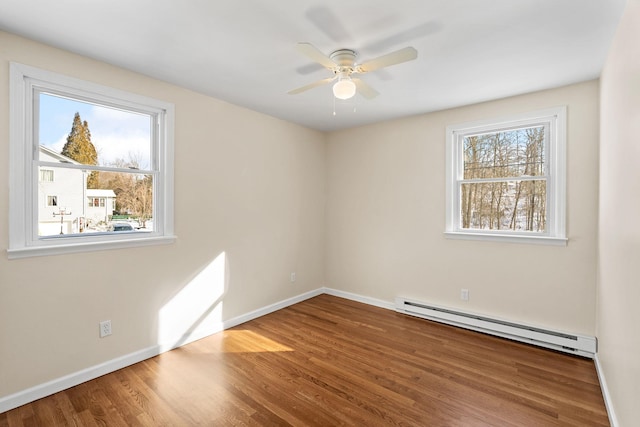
x=344, y=57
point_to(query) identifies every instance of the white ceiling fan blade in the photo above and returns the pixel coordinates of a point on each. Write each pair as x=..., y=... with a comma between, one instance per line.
x=397, y=57
x=364, y=89
x=315, y=55
x=403, y=37
x=329, y=23
x=311, y=86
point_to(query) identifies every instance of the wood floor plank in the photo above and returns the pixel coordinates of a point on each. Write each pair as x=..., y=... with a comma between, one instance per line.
x=329, y=361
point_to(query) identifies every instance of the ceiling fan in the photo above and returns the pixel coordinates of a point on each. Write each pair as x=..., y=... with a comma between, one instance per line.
x=342, y=63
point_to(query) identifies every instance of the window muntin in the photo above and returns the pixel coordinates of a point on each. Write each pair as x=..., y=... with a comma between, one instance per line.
x=506, y=178
x=133, y=138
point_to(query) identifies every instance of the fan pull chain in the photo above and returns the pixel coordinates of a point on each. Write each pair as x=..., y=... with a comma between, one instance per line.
x=355, y=107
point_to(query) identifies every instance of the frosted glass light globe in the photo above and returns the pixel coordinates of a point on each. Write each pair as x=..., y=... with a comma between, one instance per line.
x=344, y=89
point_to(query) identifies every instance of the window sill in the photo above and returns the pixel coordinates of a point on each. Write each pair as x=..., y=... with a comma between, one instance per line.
x=34, y=251
x=507, y=238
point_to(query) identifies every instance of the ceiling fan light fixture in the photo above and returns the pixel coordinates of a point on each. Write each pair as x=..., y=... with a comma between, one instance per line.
x=344, y=89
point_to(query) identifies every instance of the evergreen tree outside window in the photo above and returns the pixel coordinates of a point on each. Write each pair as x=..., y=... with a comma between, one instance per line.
x=80, y=148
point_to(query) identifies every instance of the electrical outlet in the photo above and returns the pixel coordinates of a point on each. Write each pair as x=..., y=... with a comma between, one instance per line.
x=464, y=294
x=105, y=328
x=293, y=277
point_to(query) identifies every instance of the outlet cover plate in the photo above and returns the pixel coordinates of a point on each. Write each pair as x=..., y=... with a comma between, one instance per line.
x=105, y=328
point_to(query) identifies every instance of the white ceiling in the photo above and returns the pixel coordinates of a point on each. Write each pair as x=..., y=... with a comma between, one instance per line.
x=243, y=51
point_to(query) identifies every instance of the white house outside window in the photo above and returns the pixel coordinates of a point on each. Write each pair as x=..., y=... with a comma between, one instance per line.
x=506, y=178
x=104, y=147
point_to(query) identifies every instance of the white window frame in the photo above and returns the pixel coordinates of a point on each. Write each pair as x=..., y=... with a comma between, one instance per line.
x=555, y=233
x=25, y=83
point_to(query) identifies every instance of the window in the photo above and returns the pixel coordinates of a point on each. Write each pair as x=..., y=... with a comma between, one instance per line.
x=98, y=141
x=97, y=202
x=46, y=175
x=506, y=178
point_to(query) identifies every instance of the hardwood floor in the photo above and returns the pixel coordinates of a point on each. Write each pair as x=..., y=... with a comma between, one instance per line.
x=329, y=361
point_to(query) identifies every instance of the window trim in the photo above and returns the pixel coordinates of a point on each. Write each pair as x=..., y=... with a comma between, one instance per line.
x=555, y=234
x=23, y=240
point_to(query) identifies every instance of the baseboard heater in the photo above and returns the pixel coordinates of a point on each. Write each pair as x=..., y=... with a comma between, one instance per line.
x=569, y=343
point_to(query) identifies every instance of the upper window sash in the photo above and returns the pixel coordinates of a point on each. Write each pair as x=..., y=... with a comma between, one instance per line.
x=461, y=136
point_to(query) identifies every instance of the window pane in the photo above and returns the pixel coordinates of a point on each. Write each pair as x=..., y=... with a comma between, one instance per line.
x=508, y=205
x=124, y=197
x=92, y=134
x=512, y=153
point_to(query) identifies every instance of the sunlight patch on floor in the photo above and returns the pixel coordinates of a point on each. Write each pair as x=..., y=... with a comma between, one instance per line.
x=243, y=341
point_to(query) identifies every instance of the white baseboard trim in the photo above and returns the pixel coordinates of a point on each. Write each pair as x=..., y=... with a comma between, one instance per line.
x=608, y=403
x=389, y=305
x=54, y=386
x=42, y=390
x=230, y=323
x=271, y=308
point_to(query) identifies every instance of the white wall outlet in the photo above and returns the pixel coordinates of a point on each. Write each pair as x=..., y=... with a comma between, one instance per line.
x=105, y=328
x=464, y=294
x=293, y=277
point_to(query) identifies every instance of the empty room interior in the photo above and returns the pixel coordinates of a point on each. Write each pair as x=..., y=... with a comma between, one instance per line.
x=333, y=213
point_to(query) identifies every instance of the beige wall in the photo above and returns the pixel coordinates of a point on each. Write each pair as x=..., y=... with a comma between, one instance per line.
x=618, y=315
x=386, y=218
x=246, y=185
